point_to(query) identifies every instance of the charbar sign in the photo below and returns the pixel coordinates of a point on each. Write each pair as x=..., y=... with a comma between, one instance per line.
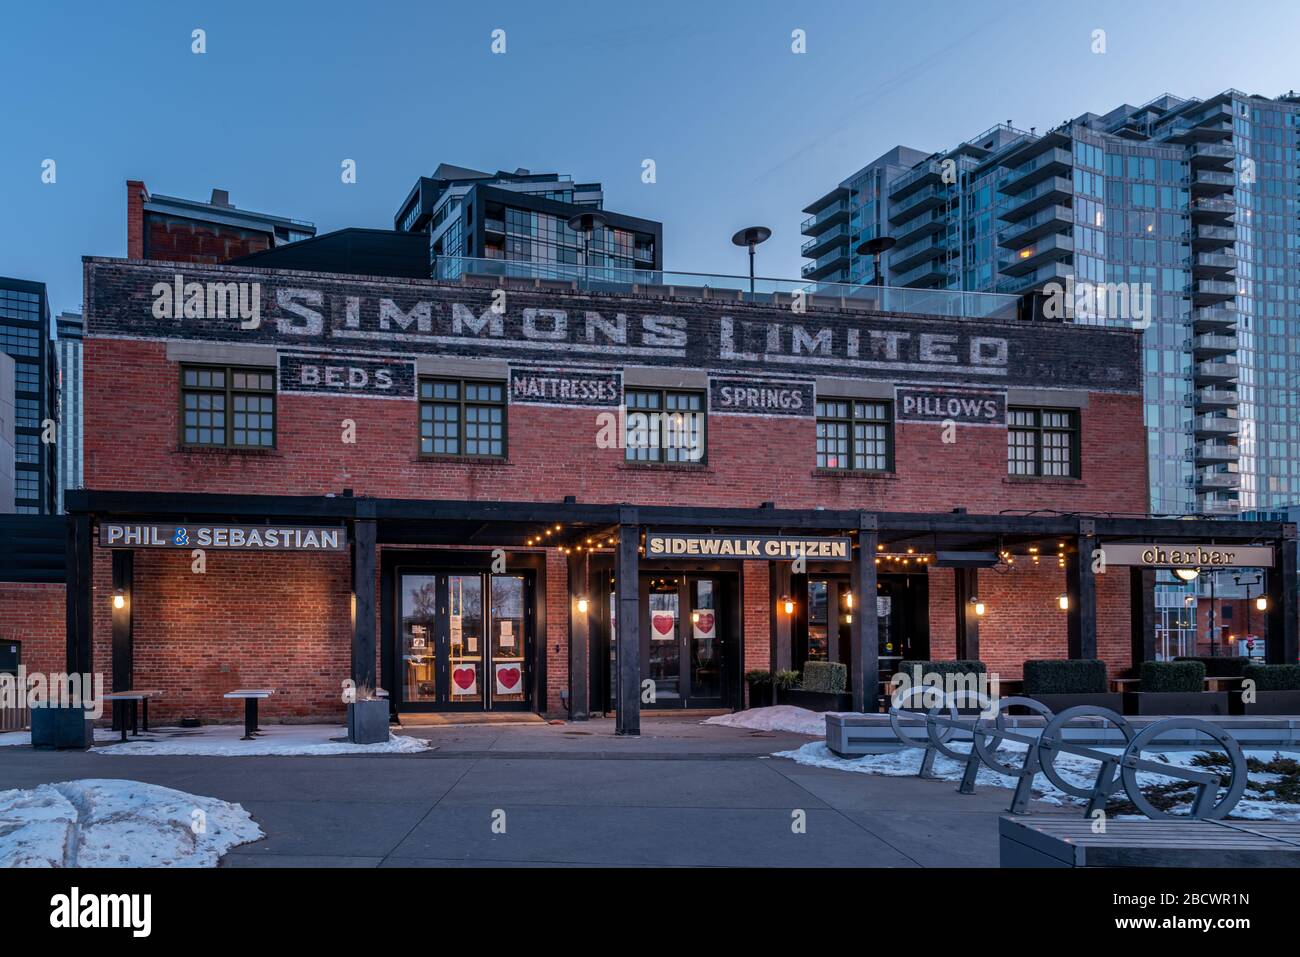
x=419, y=318
x=273, y=538
x=1188, y=556
x=769, y=547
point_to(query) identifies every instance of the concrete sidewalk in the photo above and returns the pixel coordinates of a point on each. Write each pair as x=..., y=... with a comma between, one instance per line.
x=681, y=794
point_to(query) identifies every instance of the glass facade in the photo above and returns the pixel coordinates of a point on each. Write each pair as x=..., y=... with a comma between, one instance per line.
x=25, y=334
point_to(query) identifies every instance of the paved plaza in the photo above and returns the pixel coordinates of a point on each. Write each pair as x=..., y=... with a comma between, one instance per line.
x=681, y=794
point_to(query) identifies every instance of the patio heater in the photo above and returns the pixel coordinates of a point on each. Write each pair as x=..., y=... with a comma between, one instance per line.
x=585, y=224
x=751, y=236
x=874, y=247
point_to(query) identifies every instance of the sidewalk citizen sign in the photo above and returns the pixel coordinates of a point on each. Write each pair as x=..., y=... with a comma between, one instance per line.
x=1154, y=555
x=780, y=548
x=275, y=538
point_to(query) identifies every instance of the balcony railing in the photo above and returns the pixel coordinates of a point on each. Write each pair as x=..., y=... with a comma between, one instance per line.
x=690, y=285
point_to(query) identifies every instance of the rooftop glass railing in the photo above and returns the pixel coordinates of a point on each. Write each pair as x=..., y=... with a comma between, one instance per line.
x=616, y=279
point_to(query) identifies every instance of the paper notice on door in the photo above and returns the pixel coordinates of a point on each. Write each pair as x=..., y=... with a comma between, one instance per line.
x=457, y=632
x=507, y=636
x=884, y=605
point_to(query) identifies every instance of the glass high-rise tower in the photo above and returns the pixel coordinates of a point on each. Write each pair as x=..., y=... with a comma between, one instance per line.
x=1194, y=201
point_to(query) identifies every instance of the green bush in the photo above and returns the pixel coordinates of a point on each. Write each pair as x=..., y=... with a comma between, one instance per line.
x=1065, y=676
x=1221, y=667
x=1274, y=677
x=785, y=680
x=1184, y=676
x=828, y=677
x=758, y=679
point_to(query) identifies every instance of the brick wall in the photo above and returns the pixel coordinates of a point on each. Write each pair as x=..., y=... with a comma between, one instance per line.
x=34, y=615
x=552, y=453
x=1024, y=620
x=181, y=240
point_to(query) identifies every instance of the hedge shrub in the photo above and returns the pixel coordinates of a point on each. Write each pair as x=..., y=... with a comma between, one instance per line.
x=758, y=679
x=1274, y=677
x=786, y=679
x=1181, y=676
x=1221, y=667
x=1065, y=676
x=828, y=677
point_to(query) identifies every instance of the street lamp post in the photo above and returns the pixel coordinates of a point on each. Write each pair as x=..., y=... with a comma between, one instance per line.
x=751, y=236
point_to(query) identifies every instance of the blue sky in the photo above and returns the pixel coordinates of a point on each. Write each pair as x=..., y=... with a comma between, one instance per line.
x=741, y=129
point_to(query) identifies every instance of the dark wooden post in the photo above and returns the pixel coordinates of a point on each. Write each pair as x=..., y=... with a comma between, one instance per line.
x=364, y=558
x=1142, y=614
x=864, y=641
x=1283, y=644
x=123, y=637
x=627, y=576
x=79, y=595
x=1081, y=587
x=579, y=637
x=966, y=587
x=779, y=629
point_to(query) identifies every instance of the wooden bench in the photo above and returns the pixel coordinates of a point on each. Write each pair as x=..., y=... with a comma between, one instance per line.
x=1049, y=841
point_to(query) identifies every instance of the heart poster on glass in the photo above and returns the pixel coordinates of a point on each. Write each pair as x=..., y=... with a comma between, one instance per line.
x=663, y=626
x=706, y=625
x=464, y=680
x=509, y=678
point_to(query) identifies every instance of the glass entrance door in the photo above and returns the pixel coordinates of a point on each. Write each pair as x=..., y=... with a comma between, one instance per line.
x=687, y=640
x=464, y=641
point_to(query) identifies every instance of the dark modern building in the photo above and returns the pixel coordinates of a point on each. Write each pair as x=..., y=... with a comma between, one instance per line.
x=71, y=461
x=25, y=334
x=171, y=229
x=522, y=217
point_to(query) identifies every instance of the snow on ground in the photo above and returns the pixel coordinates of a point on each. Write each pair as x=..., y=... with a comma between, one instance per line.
x=16, y=738
x=222, y=740
x=96, y=822
x=1075, y=769
x=781, y=717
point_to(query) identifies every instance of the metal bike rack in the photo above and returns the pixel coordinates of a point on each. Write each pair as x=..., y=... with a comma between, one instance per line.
x=1115, y=770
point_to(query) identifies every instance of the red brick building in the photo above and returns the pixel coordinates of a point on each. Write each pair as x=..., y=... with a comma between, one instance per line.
x=191, y=231
x=507, y=494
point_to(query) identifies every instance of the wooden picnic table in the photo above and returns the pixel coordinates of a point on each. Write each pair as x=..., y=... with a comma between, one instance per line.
x=1123, y=684
x=251, y=697
x=140, y=697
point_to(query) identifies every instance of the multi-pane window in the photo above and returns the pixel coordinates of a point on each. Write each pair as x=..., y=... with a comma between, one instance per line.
x=664, y=426
x=1043, y=442
x=228, y=407
x=462, y=417
x=855, y=434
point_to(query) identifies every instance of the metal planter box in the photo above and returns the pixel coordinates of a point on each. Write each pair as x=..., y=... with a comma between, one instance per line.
x=61, y=729
x=815, y=700
x=368, y=722
x=1176, y=702
x=1266, y=702
x=1059, y=702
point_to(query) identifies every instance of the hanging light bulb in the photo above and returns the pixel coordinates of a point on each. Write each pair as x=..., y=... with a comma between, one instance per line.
x=978, y=606
x=1064, y=602
x=1262, y=603
x=788, y=604
x=582, y=605
x=119, y=599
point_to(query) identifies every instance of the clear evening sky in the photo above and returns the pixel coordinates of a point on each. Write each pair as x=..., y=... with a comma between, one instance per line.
x=742, y=130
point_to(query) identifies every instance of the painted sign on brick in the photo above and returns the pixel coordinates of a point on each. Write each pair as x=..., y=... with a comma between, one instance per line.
x=938, y=404
x=357, y=376
x=751, y=397
x=413, y=317
x=571, y=387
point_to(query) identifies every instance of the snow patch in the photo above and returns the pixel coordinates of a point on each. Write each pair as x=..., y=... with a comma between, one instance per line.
x=1075, y=769
x=781, y=717
x=97, y=822
x=223, y=740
